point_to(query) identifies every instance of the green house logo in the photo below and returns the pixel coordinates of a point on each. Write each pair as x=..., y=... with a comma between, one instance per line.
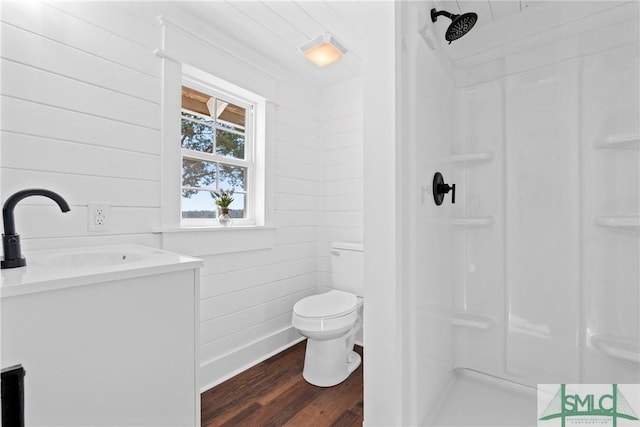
x=594, y=407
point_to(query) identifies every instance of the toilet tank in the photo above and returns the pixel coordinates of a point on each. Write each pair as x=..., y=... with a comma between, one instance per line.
x=347, y=267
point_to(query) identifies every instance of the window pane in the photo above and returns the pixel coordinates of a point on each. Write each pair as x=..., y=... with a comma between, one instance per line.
x=215, y=132
x=229, y=144
x=196, y=135
x=230, y=115
x=232, y=177
x=198, y=204
x=200, y=118
x=197, y=173
x=238, y=206
x=197, y=101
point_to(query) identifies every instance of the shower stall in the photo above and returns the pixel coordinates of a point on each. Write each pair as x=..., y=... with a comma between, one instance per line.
x=532, y=275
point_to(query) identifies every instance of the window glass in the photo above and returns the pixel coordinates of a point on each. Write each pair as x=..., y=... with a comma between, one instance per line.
x=198, y=173
x=197, y=134
x=233, y=177
x=214, y=153
x=198, y=205
x=229, y=144
x=238, y=206
x=230, y=116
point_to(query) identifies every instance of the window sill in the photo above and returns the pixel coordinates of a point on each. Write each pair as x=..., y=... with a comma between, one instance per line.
x=207, y=228
x=212, y=240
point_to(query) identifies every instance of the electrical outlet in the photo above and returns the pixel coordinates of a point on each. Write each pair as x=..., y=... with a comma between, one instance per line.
x=99, y=217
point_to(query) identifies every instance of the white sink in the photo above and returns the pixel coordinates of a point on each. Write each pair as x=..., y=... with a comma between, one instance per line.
x=96, y=259
x=61, y=268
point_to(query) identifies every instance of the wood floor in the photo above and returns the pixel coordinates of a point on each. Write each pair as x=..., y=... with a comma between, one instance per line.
x=273, y=393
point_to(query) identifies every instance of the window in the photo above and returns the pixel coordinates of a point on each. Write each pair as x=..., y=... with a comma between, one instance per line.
x=218, y=153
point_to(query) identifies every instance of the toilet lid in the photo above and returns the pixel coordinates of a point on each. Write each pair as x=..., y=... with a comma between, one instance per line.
x=330, y=304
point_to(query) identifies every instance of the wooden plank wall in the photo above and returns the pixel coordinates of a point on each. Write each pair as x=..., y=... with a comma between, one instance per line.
x=341, y=214
x=81, y=115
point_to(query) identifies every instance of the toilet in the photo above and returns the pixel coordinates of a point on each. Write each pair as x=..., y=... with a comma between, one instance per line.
x=331, y=320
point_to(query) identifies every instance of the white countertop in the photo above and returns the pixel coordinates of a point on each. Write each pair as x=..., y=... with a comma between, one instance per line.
x=57, y=269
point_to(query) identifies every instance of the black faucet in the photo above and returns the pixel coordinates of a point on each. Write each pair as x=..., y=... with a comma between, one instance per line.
x=10, y=239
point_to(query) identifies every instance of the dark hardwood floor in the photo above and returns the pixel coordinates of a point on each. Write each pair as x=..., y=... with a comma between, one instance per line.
x=273, y=393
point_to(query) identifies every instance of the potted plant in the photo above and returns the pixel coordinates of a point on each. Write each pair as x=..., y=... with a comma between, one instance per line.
x=223, y=199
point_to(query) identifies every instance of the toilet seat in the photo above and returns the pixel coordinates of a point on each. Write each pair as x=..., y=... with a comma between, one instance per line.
x=333, y=312
x=328, y=305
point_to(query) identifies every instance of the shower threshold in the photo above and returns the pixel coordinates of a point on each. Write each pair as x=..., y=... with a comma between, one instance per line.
x=474, y=398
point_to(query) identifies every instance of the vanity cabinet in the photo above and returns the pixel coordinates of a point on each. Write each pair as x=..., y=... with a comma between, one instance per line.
x=120, y=349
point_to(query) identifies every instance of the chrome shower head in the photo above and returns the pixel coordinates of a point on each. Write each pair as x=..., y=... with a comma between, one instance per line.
x=460, y=24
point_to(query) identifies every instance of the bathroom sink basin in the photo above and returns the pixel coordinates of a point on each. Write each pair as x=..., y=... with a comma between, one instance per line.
x=93, y=259
x=51, y=269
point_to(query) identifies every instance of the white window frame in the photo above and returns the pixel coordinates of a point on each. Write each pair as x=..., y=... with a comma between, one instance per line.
x=254, y=162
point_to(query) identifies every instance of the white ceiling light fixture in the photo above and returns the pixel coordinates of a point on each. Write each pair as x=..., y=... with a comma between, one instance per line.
x=323, y=50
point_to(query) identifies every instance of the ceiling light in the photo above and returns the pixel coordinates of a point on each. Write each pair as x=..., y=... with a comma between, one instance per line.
x=323, y=50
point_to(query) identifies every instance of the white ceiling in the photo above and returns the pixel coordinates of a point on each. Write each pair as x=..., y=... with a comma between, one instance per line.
x=489, y=11
x=278, y=28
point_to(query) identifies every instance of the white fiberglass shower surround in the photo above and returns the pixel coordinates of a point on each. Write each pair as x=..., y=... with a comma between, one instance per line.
x=532, y=276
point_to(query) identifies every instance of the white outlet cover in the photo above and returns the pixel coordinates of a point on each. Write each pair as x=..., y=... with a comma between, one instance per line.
x=99, y=216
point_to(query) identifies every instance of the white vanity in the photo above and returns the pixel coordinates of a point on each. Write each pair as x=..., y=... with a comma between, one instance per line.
x=108, y=336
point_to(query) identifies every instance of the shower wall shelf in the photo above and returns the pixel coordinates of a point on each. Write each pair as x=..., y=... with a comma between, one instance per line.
x=616, y=347
x=631, y=223
x=619, y=142
x=471, y=159
x=472, y=320
x=473, y=221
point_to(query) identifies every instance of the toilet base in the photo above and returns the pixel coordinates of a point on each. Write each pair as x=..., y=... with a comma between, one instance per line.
x=328, y=363
x=353, y=362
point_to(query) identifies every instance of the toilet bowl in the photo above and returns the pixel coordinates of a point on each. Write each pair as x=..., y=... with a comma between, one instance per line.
x=330, y=321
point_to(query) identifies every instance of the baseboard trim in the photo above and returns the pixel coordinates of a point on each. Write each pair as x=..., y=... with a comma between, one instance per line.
x=214, y=372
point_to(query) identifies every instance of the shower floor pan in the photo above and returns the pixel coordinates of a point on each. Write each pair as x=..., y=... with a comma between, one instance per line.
x=476, y=399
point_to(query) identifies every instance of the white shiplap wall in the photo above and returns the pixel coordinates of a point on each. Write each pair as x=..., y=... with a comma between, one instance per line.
x=341, y=214
x=81, y=115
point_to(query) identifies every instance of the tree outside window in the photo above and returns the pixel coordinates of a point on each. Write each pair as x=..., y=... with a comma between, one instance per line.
x=215, y=152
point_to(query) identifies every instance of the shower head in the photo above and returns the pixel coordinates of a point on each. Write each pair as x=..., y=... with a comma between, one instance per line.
x=460, y=24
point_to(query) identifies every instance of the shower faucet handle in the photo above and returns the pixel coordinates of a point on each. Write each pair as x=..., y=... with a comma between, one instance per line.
x=445, y=188
x=440, y=188
x=453, y=192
